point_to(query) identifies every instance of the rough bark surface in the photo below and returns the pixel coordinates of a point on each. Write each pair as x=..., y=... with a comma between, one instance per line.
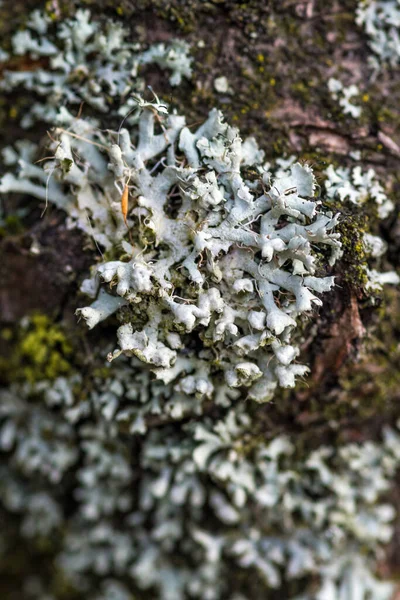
x=277, y=57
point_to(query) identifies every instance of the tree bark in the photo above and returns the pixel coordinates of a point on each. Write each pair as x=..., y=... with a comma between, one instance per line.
x=277, y=57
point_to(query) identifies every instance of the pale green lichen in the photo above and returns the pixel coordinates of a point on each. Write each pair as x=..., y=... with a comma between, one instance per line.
x=345, y=97
x=89, y=62
x=210, y=494
x=230, y=241
x=357, y=186
x=381, y=22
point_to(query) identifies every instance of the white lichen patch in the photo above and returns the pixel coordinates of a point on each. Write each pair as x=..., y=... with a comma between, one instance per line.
x=86, y=61
x=221, y=85
x=217, y=263
x=357, y=186
x=210, y=496
x=174, y=57
x=381, y=21
x=345, y=97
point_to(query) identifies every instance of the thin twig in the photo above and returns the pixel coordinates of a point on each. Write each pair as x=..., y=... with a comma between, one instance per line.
x=80, y=137
x=47, y=191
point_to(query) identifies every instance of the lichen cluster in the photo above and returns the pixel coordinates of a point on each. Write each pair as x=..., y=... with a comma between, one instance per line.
x=381, y=22
x=346, y=97
x=175, y=515
x=89, y=62
x=155, y=476
x=218, y=269
x=357, y=188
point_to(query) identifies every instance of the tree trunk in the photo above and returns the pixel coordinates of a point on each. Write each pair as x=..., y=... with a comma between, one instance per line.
x=277, y=57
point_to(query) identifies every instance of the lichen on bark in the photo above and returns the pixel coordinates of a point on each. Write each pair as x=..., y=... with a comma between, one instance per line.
x=128, y=486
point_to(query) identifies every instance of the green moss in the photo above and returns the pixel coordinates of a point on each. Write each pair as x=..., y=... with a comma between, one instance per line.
x=354, y=261
x=301, y=91
x=40, y=350
x=12, y=226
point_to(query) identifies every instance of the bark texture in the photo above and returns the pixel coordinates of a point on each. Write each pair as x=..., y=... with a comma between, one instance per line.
x=277, y=56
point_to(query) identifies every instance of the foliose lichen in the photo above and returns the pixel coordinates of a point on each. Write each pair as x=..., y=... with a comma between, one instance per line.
x=152, y=477
x=381, y=22
x=204, y=243
x=357, y=187
x=88, y=62
x=206, y=498
x=345, y=97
